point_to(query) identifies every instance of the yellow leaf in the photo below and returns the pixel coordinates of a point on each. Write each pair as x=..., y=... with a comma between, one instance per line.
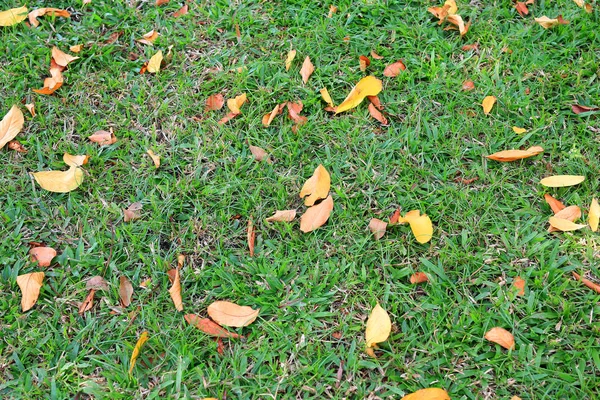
x=501, y=336
x=230, y=314
x=326, y=97
x=155, y=158
x=513, y=155
x=75, y=161
x=594, y=215
x=175, y=291
x=564, y=224
x=307, y=69
x=11, y=125
x=316, y=216
x=488, y=103
x=13, y=16
x=136, y=350
x=61, y=58
x=379, y=326
x=290, y=57
x=282, y=216
x=562, y=180
x=580, y=3
x=30, y=285
x=428, y=394
x=59, y=181
x=317, y=186
x=452, y=7
x=422, y=228
x=546, y=22
x=268, y=118
x=154, y=63
x=235, y=104
x=518, y=130
x=367, y=86
x=76, y=48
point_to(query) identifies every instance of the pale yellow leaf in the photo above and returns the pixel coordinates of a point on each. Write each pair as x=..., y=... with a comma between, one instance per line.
x=565, y=225
x=367, y=86
x=580, y=3
x=290, y=57
x=488, y=103
x=136, y=350
x=59, y=181
x=282, y=216
x=31, y=108
x=317, y=186
x=175, y=291
x=235, y=104
x=428, y=394
x=594, y=215
x=518, y=130
x=230, y=314
x=316, y=216
x=452, y=7
x=155, y=158
x=459, y=24
x=307, y=69
x=562, y=180
x=75, y=161
x=13, y=16
x=154, y=62
x=11, y=125
x=30, y=285
x=501, y=336
x=379, y=326
x=546, y=22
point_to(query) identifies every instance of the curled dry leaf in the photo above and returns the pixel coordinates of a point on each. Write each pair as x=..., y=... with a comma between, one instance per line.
x=237, y=102
x=87, y=303
x=501, y=336
x=11, y=125
x=97, y=283
x=182, y=11
x=30, y=285
x=282, y=216
x=594, y=215
x=294, y=110
x=469, y=47
x=316, y=216
x=375, y=55
x=376, y=102
x=468, y=85
x=562, y=180
x=31, y=108
x=259, y=154
x=488, y=103
x=418, y=277
x=317, y=186
x=61, y=58
x=395, y=217
x=149, y=38
x=377, y=228
x=230, y=314
x=513, y=155
x=125, y=291
x=521, y=8
x=394, y=69
x=332, y=10
x=155, y=158
x=375, y=113
x=379, y=327
x=154, y=62
x=578, y=109
x=175, y=291
x=16, y=146
x=59, y=181
x=449, y=8
x=555, y=205
x=520, y=283
x=215, y=102
x=180, y=260
x=268, y=118
x=75, y=161
x=428, y=394
x=548, y=23
x=209, y=327
x=103, y=138
x=43, y=255
x=307, y=69
x=363, y=63
x=136, y=350
x=290, y=57
x=594, y=286
x=368, y=86
x=33, y=15
x=459, y=24
x=251, y=236
x=161, y=2
x=134, y=211
x=327, y=98
x=565, y=225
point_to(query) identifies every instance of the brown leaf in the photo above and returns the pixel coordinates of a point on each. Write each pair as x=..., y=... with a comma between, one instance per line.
x=33, y=15
x=394, y=69
x=88, y=303
x=578, y=109
x=16, y=146
x=307, y=69
x=181, y=12
x=209, y=327
x=125, y=291
x=555, y=205
x=113, y=37
x=230, y=314
x=377, y=228
x=513, y=155
x=594, y=286
x=469, y=47
x=30, y=285
x=103, y=138
x=97, y=283
x=501, y=336
x=294, y=110
x=375, y=101
x=11, y=125
x=375, y=55
x=282, y=216
x=418, y=277
x=395, y=217
x=363, y=62
x=215, y=102
x=317, y=186
x=220, y=350
x=251, y=235
x=468, y=85
x=259, y=154
x=134, y=211
x=61, y=58
x=175, y=291
x=521, y=8
x=520, y=283
x=375, y=113
x=316, y=216
x=43, y=255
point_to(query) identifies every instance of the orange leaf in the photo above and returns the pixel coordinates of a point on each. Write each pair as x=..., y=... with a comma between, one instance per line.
x=520, y=283
x=61, y=58
x=175, y=291
x=594, y=286
x=215, y=102
x=16, y=146
x=136, y=350
x=513, y=155
x=418, y=277
x=282, y=216
x=103, y=138
x=428, y=394
x=375, y=55
x=259, y=154
x=521, y=8
x=11, y=125
x=332, y=10
x=149, y=38
x=290, y=57
x=209, y=327
x=578, y=109
x=87, y=303
x=43, y=255
x=375, y=101
x=394, y=69
x=307, y=69
x=459, y=23
x=468, y=85
x=377, y=228
x=33, y=15
x=268, y=118
x=501, y=336
x=488, y=103
x=235, y=104
x=363, y=62
x=182, y=11
x=50, y=86
x=294, y=110
x=395, y=217
x=161, y=2
x=367, y=86
x=228, y=118
x=230, y=314
x=125, y=291
x=375, y=113
x=316, y=216
x=469, y=47
x=555, y=205
x=30, y=285
x=317, y=186
x=571, y=213
x=251, y=234
x=565, y=225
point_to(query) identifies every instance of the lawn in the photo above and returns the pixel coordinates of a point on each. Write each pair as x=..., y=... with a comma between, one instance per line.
x=314, y=290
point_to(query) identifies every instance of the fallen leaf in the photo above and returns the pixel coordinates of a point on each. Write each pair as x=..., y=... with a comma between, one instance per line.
x=521, y=8
x=161, y=2
x=578, y=109
x=97, y=283
x=113, y=37
x=326, y=97
x=375, y=55
x=316, y=216
x=11, y=125
x=562, y=180
x=155, y=158
x=209, y=327
x=16, y=146
x=375, y=113
x=76, y=48
x=518, y=130
x=268, y=118
x=547, y=23
x=259, y=154
x=468, y=85
x=13, y=16
x=125, y=291
x=520, y=283
x=154, y=62
x=149, y=38
x=181, y=12
x=33, y=15
x=62, y=58
x=571, y=213
x=449, y=8
x=294, y=110
x=555, y=205
x=307, y=69
x=59, y=181
x=418, y=277
x=594, y=286
x=215, y=102
x=87, y=303
x=376, y=102
x=235, y=103
x=513, y=155
x=180, y=261
x=565, y=225
x=227, y=118
x=31, y=108
x=136, y=350
x=379, y=327
x=395, y=217
x=51, y=85
x=459, y=24
x=394, y=69
x=377, y=228
x=290, y=57
x=317, y=186
x=282, y=216
x=251, y=236
x=230, y=314
x=502, y=337
x=368, y=86
x=30, y=285
x=594, y=215
x=332, y=10
x=133, y=212
x=363, y=63
x=488, y=103
x=421, y=225
x=43, y=255
x=428, y=394
x=75, y=161
x=175, y=291
x=469, y=47
x=103, y=138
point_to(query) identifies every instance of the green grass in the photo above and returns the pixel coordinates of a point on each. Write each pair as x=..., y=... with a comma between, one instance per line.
x=308, y=286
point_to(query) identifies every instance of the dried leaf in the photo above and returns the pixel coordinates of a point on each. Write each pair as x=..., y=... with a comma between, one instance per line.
x=307, y=69
x=518, y=130
x=294, y=110
x=154, y=62
x=31, y=108
x=259, y=154
x=227, y=118
x=75, y=161
x=103, y=138
x=368, y=86
x=251, y=236
x=59, y=181
x=133, y=212
x=51, y=85
x=13, y=16
x=209, y=327
x=376, y=103
x=379, y=326
x=30, y=285
x=76, y=48
x=43, y=255
x=394, y=69
x=547, y=23
x=282, y=216
x=268, y=118
x=375, y=55
x=468, y=85
x=175, y=291
x=488, y=103
x=513, y=155
x=215, y=102
x=502, y=337
x=459, y=23
x=375, y=113
x=235, y=104
x=136, y=350
x=332, y=10
x=520, y=283
x=377, y=228
x=521, y=8
x=316, y=216
x=418, y=277
x=33, y=15
x=87, y=303
x=16, y=146
x=363, y=63
x=578, y=109
x=290, y=57
x=594, y=215
x=428, y=394
x=562, y=180
x=555, y=205
x=469, y=47
x=149, y=38
x=125, y=291
x=97, y=283
x=572, y=213
x=62, y=59
x=421, y=225
x=11, y=125
x=161, y=2
x=182, y=11
x=317, y=186
x=155, y=158
x=565, y=225
x=594, y=286
x=230, y=314
x=326, y=97
x=395, y=217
